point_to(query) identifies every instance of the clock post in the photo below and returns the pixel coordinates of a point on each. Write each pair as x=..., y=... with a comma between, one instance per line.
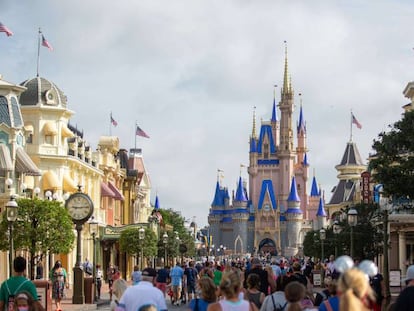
x=78, y=282
x=80, y=208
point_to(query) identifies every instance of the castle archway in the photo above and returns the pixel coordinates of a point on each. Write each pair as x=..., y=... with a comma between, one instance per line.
x=268, y=246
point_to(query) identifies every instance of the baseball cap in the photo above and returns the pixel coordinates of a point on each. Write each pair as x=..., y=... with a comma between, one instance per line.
x=149, y=272
x=410, y=273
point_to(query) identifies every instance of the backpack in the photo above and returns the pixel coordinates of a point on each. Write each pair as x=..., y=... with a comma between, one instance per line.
x=279, y=308
x=10, y=299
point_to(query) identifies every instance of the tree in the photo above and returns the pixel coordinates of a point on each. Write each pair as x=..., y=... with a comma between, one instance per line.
x=393, y=162
x=41, y=226
x=130, y=243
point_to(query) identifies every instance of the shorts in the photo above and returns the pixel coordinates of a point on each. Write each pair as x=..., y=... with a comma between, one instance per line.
x=176, y=289
x=161, y=286
x=191, y=288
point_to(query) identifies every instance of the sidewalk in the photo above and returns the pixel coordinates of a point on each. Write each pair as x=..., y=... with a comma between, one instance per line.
x=67, y=304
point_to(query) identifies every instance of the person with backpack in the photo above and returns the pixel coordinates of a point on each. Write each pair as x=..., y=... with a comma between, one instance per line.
x=206, y=294
x=16, y=284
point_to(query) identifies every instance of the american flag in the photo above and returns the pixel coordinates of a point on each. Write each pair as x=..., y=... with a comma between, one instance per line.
x=46, y=43
x=6, y=30
x=355, y=121
x=140, y=132
x=114, y=123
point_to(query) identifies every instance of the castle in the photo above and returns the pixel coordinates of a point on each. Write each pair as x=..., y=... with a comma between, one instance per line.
x=275, y=212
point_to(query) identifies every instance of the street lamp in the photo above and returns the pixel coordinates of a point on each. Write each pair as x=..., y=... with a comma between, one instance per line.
x=336, y=228
x=141, y=235
x=385, y=207
x=322, y=236
x=93, y=228
x=352, y=221
x=165, y=241
x=177, y=239
x=11, y=210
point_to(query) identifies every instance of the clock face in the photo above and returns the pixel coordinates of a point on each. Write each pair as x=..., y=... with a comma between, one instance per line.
x=80, y=206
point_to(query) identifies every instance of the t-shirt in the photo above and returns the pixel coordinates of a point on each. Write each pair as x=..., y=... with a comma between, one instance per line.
x=264, y=283
x=15, y=285
x=405, y=300
x=136, y=277
x=217, y=277
x=191, y=274
x=176, y=275
x=202, y=305
x=144, y=293
x=334, y=302
x=162, y=275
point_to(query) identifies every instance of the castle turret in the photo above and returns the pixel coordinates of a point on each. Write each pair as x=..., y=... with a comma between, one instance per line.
x=313, y=200
x=321, y=215
x=294, y=217
x=157, y=203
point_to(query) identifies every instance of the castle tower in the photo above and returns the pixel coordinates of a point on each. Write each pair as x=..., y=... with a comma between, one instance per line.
x=321, y=215
x=286, y=152
x=240, y=219
x=294, y=217
x=313, y=201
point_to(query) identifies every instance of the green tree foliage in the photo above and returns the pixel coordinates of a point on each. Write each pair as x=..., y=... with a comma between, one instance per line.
x=130, y=243
x=367, y=236
x=41, y=226
x=393, y=162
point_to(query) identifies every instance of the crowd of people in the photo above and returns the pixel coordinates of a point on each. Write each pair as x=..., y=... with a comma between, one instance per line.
x=259, y=284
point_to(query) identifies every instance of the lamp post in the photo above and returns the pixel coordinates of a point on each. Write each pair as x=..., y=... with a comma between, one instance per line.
x=165, y=241
x=336, y=228
x=177, y=239
x=93, y=228
x=11, y=210
x=141, y=236
x=385, y=207
x=352, y=221
x=322, y=236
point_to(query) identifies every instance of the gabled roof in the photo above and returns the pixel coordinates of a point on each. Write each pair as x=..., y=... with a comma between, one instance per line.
x=267, y=189
x=343, y=192
x=266, y=130
x=351, y=155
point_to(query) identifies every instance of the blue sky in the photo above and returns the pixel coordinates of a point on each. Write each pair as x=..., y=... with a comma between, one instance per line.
x=190, y=73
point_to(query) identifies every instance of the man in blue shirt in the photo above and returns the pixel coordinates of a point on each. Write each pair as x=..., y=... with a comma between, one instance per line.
x=176, y=276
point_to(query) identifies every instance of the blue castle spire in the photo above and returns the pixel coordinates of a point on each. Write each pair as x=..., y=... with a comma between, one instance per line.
x=314, y=190
x=218, y=200
x=305, y=160
x=274, y=115
x=240, y=193
x=157, y=203
x=293, y=196
x=321, y=209
x=301, y=123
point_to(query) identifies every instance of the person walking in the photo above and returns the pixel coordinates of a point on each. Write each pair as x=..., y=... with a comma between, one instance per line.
x=144, y=293
x=18, y=283
x=58, y=277
x=206, y=294
x=405, y=300
x=118, y=288
x=136, y=275
x=230, y=287
x=176, y=276
x=190, y=276
x=163, y=275
x=24, y=302
x=99, y=276
x=252, y=293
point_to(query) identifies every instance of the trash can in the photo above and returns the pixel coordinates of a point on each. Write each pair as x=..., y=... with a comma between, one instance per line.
x=88, y=288
x=44, y=288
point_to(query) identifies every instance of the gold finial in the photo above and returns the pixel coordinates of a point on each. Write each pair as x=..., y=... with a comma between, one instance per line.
x=254, y=123
x=286, y=73
x=300, y=99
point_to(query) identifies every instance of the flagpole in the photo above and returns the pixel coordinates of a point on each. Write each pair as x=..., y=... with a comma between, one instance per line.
x=38, y=52
x=351, y=127
x=135, y=133
x=110, y=123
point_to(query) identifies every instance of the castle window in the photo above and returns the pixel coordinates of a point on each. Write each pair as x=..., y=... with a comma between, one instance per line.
x=266, y=151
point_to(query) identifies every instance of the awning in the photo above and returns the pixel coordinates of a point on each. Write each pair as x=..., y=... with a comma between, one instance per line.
x=28, y=128
x=115, y=190
x=6, y=163
x=29, y=182
x=106, y=191
x=49, y=128
x=24, y=163
x=68, y=184
x=66, y=132
x=50, y=181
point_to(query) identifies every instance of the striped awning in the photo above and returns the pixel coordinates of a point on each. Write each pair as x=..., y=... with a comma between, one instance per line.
x=49, y=128
x=6, y=163
x=115, y=190
x=50, y=181
x=106, y=191
x=68, y=183
x=24, y=163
